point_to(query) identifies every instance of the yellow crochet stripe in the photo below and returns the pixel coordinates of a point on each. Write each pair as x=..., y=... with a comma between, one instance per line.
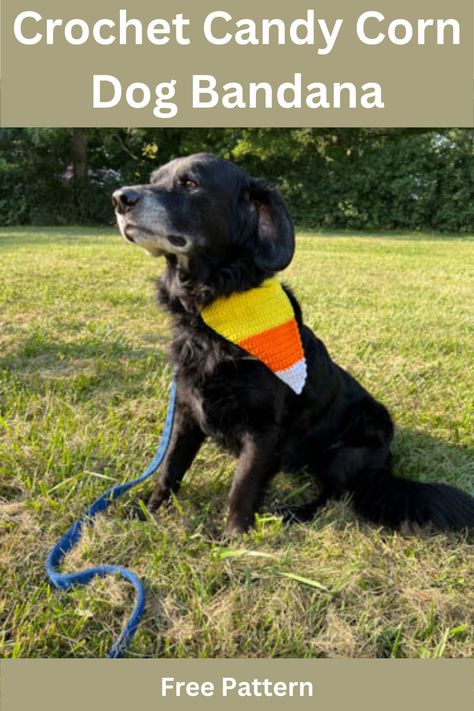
x=240, y=316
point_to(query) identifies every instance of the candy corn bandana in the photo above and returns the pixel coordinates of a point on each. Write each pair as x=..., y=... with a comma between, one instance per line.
x=262, y=322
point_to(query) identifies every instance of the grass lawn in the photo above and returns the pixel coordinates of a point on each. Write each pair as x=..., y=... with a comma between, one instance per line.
x=83, y=392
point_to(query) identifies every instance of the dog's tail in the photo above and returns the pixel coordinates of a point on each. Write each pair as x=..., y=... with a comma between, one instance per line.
x=385, y=499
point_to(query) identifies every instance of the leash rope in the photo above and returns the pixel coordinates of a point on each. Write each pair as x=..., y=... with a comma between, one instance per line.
x=65, y=581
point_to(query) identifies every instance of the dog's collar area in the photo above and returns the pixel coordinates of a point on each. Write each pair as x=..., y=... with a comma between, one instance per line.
x=262, y=322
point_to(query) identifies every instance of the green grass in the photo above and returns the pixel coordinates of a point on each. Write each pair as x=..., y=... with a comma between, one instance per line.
x=84, y=385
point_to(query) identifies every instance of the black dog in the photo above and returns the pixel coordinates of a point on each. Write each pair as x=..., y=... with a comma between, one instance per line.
x=223, y=232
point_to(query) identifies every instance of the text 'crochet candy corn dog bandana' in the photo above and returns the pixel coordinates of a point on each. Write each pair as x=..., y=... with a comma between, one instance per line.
x=262, y=322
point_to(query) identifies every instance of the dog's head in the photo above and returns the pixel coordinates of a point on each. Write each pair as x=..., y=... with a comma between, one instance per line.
x=204, y=206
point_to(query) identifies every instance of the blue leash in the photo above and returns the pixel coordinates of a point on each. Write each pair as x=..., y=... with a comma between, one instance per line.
x=65, y=581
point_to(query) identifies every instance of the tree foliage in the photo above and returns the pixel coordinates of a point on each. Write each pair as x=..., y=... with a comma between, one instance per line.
x=343, y=178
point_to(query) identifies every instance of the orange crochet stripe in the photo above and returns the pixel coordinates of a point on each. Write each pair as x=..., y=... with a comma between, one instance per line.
x=278, y=347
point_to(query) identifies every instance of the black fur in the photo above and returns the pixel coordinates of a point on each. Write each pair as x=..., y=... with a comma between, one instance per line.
x=222, y=232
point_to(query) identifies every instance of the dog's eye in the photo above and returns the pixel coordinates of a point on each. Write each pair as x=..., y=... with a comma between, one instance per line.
x=188, y=183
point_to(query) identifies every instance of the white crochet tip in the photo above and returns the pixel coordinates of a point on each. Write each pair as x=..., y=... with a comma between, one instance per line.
x=295, y=376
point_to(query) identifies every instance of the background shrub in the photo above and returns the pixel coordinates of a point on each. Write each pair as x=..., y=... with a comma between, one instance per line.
x=373, y=179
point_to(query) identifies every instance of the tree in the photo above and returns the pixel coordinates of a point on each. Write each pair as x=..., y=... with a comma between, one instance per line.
x=79, y=154
x=372, y=178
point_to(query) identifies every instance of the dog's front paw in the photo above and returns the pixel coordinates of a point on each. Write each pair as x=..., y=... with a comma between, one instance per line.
x=233, y=532
x=158, y=497
x=136, y=511
x=236, y=526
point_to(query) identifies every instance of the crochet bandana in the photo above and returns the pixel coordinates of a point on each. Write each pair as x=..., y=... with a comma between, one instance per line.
x=262, y=322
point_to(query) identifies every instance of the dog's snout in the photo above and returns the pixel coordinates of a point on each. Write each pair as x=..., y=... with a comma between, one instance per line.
x=124, y=199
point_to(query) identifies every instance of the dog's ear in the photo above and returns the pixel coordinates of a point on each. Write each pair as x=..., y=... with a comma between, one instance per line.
x=275, y=236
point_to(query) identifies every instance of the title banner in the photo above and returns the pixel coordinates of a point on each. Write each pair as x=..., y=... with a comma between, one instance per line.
x=238, y=63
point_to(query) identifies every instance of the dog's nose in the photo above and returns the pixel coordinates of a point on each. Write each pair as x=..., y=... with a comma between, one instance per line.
x=124, y=199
